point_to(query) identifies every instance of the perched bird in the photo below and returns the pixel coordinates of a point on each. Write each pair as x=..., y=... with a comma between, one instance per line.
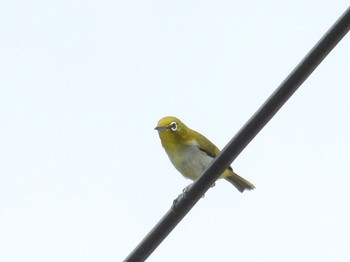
x=190, y=152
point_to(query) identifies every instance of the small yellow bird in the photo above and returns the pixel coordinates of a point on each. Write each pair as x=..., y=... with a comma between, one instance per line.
x=190, y=152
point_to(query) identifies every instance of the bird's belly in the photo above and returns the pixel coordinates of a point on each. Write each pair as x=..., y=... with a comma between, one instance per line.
x=192, y=162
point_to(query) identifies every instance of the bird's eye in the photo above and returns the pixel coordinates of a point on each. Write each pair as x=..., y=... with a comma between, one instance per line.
x=173, y=126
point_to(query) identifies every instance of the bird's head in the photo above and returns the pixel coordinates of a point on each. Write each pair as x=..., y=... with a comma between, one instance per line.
x=171, y=129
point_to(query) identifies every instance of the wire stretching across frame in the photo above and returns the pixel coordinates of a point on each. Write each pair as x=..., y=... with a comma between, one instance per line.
x=246, y=134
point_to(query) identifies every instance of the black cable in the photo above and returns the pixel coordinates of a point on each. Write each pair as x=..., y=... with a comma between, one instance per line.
x=253, y=126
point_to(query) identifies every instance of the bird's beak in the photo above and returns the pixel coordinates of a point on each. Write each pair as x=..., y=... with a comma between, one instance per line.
x=160, y=128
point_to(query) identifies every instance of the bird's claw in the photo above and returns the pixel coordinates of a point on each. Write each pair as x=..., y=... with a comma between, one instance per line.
x=183, y=195
x=185, y=190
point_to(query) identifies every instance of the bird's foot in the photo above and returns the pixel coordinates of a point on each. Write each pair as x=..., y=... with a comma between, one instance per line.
x=185, y=190
x=183, y=195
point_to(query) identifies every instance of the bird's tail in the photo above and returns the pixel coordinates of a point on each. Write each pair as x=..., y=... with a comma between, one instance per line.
x=239, y=182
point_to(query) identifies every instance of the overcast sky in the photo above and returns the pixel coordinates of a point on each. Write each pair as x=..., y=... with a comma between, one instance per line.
x=83, y=176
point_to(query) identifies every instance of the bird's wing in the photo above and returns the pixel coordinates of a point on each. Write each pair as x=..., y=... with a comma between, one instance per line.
x=206, y=146
x=209, y=148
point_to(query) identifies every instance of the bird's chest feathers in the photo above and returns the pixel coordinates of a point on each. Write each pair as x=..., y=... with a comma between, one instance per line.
x=188, y=159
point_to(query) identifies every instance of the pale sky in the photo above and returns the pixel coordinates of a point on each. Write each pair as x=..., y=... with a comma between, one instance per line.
x=83, y=176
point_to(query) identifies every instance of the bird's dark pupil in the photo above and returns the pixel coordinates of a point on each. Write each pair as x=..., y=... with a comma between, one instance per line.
x=173, y=126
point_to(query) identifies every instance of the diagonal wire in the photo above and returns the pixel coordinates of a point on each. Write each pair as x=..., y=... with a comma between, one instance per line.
x=183, y=205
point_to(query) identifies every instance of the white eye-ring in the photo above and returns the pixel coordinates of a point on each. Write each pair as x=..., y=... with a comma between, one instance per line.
x=173, y=126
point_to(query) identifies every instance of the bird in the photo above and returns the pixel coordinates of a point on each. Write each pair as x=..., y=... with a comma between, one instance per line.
x=191, y=153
